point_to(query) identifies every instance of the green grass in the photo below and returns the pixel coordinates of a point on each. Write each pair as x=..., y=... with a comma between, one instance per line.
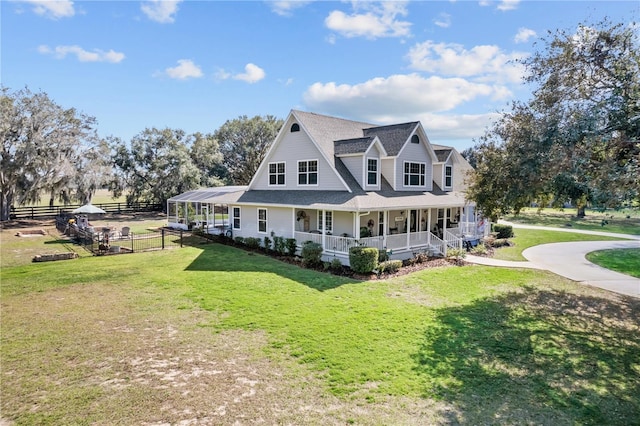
x=474, y=345
x=626, y=261
x=625, y=221
x=525, y=238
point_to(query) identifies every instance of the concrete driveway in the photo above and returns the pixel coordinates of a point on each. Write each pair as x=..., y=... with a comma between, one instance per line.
x=568, y=260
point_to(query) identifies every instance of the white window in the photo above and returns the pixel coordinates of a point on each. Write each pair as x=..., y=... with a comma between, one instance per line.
x=236, y=218
x=262, y=220
x=448, y=176
x=372, y=171
x=414, y=174
x=308, y=172
x=328, y=220
x=276, y=173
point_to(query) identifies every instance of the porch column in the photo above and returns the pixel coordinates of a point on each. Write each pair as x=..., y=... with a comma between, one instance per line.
x=408, y=221
x=444, y=222
x=356, y=231
x=385, y=226
x=324, y=228
x=293, y=222
x=429, y=226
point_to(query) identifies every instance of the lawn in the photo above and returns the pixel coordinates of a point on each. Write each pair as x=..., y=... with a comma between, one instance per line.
x=626, y=261
x=525, y=238
x=210, y=334
x=624, y=221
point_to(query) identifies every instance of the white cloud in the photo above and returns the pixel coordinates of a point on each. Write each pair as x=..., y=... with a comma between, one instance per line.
x=285, y=8
x=400, y=95
x=485, y=62
x=53, y=9
x=508, y=5
x=371, y=20
x=252, y=74
x=96, y=55
x=455, y=126
x=184, y=70
x=162, y=11
x=524, y=34
x=443, y=20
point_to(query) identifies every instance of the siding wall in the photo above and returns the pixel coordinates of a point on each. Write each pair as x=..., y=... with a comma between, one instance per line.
x=415, y=153
x=387, y=172
x=291, y=148
x=354, y=164
x=279, y=220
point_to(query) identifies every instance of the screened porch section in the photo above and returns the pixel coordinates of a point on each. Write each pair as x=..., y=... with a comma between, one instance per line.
x=191, y=210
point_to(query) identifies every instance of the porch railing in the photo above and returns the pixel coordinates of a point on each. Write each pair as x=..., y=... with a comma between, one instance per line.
x=452, y=239
x=438, y=244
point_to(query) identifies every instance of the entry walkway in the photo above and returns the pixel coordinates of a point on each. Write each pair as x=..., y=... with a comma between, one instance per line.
x=568, y=260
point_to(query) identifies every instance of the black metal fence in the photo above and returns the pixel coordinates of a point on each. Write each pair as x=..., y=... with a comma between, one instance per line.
x=106, y=242
x=37, y=212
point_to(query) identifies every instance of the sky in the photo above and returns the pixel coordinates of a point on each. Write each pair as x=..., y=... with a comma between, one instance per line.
x=193, y=65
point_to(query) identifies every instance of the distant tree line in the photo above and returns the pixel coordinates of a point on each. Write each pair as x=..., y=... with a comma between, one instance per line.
x=55, y=152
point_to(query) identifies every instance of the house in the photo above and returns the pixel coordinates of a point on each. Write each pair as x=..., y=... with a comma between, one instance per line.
x=342, y=183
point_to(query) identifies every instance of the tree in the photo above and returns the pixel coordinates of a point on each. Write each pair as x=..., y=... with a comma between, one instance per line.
x=578, y=138
x=155, y=167
x=41, y=145
x=206, y=156
x=244, y=143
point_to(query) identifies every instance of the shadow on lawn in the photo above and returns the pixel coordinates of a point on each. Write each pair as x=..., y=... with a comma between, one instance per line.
x=537, y=357
x=220, y=257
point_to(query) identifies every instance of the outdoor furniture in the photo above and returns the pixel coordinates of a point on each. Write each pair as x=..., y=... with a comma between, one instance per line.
x=125, y=233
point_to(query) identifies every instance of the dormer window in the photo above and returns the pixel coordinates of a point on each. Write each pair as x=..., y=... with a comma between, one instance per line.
x=448, y=176
x=295, y=127
x=415, y=139
x=372, y=171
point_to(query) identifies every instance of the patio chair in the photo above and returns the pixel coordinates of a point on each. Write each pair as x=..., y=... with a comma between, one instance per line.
x=125, y=233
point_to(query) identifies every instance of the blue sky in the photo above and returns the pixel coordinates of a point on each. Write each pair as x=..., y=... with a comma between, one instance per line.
x=193, y=65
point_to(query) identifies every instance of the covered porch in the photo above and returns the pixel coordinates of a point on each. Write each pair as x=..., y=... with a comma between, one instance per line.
x=401, y=232
x=194, y=209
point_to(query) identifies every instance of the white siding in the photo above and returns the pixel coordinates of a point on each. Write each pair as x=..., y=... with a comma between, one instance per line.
x=291, y=148
x=438, y=175
x=415, y=153
x=278, y=220
x=388, y=171
x=354, y=164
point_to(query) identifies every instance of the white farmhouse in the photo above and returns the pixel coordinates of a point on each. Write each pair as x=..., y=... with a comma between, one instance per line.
x=341, y=183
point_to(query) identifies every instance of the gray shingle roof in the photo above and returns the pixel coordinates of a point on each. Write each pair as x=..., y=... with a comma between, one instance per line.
x=352, y=146
x=392, y=137
x=443, y=154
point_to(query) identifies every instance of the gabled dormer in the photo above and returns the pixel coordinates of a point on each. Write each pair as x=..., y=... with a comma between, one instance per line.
x=362, y=157
x=443, y=169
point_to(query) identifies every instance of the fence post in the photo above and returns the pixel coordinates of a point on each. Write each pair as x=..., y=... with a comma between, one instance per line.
x=181, y=238
x=162, y=238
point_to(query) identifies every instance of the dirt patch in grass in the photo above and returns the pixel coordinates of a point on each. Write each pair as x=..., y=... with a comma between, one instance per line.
x=109, y=354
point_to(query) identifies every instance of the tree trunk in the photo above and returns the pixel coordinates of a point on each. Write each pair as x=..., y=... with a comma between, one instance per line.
x=581, y=212
x=5, y=206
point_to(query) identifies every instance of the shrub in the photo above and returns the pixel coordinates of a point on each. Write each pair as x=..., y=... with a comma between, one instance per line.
x=479, y=249
x=239, y=240
x=421, y=257
x=252, y=242
x=336, y=265
x=503, y=231
x=267, y=243
x=383, y=256
x=390, y=266
x=456, y=254
x=291, y=245
x=311, y=253
x=278, y=245
x=363, y=260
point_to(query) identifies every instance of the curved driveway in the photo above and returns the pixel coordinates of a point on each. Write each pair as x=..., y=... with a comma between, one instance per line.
x=568, y=260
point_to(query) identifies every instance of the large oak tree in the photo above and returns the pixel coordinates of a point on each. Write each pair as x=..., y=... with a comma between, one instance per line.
x=578, y=138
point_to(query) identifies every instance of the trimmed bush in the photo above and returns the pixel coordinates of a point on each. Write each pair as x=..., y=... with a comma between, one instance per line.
x=363, y=260
x=390, y=266
x=267, y=243
x=311, y=254
x=383, y=256
x=479, y=249
x=336, y=265
x=278, y=245
x=456, y=254
x=239, y=240
x=252, y=242
x=503, y=231
x=291, y=245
